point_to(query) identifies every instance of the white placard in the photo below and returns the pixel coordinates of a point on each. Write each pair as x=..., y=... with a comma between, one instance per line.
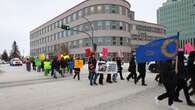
x=101, y=67
x=111, y=67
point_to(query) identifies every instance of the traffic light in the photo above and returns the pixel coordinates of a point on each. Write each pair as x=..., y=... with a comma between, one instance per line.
x=65, y=27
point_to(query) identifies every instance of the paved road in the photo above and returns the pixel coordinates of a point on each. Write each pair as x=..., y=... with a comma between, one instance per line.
x=69, y=94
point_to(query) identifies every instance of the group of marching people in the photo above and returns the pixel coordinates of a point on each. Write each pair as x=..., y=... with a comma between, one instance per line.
x=111, y=77
x=63, y=66
x=174, y=75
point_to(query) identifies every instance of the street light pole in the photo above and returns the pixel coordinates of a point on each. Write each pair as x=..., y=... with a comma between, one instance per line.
x=92, y=33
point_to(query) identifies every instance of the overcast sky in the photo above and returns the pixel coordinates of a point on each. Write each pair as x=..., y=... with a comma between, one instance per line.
x=19, y=17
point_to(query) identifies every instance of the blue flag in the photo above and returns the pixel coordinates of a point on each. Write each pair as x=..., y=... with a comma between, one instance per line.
x=158, y=50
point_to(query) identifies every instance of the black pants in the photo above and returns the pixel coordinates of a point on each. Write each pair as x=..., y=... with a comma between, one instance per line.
x=101, y=78
x=142, y=76
x=108, y=79
x=132, y=75
x=170, y=89
x=193, y=83
x=77, y=73
x=182, y=84
x=121, y=75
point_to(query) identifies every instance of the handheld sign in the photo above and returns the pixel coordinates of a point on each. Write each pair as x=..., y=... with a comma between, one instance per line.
x=104, y=52
x=101, y=67
x=42, y=57
x=78, y=64
x=111, y=67
x=88, y=52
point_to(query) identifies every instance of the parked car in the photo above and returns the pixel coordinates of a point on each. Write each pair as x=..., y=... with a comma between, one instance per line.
x=15, y=62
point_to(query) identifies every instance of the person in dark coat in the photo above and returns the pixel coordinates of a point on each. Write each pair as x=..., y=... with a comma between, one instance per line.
x=92, y=69
x=142, y=73
x=132, y=70
x=56, y=68
x=63, y=65
x=119, y=66
x=181, y=82
x=191, y=70
x=33, y=65
x=42, y=66
x=168, y=75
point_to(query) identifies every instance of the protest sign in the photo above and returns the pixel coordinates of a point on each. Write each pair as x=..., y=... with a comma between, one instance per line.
x=111, y=67
x=101, y=67
x=78, y=64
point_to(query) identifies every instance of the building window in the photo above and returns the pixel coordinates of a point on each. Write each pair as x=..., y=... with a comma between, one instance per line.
x=113, y=40
x=124, y=11
x=92, y=10
x=99, y=25
x=120, y=10
x=114, y=25
x=68, y=19
x=107, y=8
x=107, y=24
x=71, y=18
x=99, y=8
x=114, y=9
x=80, y=14
x=74, y=16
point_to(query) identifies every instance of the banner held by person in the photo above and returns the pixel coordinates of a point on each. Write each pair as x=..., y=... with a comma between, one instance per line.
x=88, y=52
x=42, y=57
x=111, y=67
x=101, y=67
x=104, y=52
x=158, y=50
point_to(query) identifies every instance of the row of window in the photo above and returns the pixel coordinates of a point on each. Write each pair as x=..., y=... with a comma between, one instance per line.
x=144, y=37
x=96, y=9
x=100, y=41
x=97, y=25
x=183, y=42
x=149, y=29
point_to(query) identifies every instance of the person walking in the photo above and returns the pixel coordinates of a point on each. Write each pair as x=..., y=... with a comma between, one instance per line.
x=33, y=65
x=71, y=65
x=142, y=73
x=77, y=71
x=119, y=66
x=63, y=65
x=115, y=74
x=47, y=67
x=28, y=65
x=38, y=64
x=92, y=69
x=132, y=70
x=191, y=70
x=168, y=75
x=56, y=68
x=181, y=82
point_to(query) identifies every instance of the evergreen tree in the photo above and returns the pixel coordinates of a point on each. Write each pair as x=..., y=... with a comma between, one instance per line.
x=15, y=53
x=5, y=56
